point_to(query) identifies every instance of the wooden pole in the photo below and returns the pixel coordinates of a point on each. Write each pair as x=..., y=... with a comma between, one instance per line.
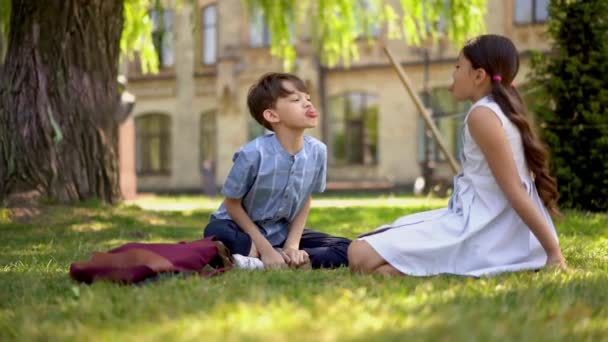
x=423, y=112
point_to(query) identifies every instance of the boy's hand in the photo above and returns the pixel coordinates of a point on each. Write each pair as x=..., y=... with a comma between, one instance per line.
x=296, y=257
x=272, y=259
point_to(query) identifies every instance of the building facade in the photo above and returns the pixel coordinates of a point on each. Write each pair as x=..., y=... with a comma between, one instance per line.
x=191, y=117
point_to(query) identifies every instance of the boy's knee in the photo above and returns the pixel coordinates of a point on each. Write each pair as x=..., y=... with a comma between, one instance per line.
x=214, y=228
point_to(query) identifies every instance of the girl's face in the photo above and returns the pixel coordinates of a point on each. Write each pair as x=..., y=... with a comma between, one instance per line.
x=467, y=83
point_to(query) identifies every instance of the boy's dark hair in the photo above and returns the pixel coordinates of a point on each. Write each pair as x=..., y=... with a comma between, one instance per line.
x=267, y=90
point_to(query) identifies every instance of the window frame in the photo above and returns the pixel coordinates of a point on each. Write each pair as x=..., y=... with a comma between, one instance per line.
x=143, y=139
x=455, y=113
x=203, y=130
x=533, y=14
x=164, y=31
x=265, y=31
x=360, y=120
x=204, y=27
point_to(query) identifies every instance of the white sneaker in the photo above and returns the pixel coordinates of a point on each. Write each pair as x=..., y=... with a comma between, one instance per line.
x=247, y=263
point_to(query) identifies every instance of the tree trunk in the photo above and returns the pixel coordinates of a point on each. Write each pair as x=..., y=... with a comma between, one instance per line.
x=58, y=96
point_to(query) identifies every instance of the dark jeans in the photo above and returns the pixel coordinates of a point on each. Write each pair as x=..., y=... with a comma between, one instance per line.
x=324, y=250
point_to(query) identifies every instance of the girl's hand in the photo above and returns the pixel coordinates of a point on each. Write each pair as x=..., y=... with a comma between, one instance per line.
x=556, y=260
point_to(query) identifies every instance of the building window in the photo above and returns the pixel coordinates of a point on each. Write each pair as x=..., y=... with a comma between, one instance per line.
x=448, y=115
x=162, y=36
x=365, y=27
x=153, y=144
x=530, y=11
x=209, y=28
x=208, y=138
x=259, y=35
x=354, y=129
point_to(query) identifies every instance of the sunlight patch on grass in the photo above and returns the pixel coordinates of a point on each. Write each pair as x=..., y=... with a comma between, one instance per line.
x=111, y=243
x=191, y=203
x=592, y=326
x=5, y=216
x=255, y=318
x=35, y=251
x=379, y=202
x=179, y=203
x=176, y=206
x=152, y=219
x=352, y=315
x=91, y=226
x=156, y=221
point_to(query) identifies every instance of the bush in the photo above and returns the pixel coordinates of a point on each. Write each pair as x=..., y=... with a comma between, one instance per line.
x=573, y=116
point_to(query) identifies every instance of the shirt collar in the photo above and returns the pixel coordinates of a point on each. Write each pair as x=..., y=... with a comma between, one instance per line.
x=278, y=148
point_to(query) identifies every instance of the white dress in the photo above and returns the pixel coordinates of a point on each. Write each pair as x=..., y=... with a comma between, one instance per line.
x=479, y=233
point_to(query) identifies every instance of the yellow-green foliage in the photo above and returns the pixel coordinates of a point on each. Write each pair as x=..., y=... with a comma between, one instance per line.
x=137, y=34
x=335, y=25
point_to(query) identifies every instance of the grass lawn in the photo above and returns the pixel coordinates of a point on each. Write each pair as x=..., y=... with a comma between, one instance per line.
x=38, y=301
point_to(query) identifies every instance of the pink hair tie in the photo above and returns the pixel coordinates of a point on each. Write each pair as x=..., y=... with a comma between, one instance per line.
x=497, y=78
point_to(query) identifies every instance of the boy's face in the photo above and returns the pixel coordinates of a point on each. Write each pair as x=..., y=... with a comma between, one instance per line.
x=294, y=111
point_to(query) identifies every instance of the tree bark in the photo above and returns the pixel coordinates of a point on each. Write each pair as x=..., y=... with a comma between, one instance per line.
x=58, y=96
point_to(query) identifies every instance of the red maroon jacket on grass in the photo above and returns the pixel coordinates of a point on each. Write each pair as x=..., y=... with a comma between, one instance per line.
x=135, y=262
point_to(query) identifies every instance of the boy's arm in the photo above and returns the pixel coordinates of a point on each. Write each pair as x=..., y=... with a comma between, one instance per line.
x=292, y=244
x=268, y=254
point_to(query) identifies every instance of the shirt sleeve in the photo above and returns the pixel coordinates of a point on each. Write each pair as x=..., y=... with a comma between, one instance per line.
x=320, y=178
x=241, y=176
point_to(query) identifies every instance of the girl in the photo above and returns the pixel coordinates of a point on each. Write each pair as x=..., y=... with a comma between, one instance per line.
x=498, y=217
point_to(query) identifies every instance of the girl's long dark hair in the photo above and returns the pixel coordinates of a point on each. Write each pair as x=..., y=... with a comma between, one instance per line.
x=499, y=58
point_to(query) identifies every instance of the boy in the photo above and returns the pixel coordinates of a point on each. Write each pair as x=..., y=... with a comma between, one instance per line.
x=267, y=191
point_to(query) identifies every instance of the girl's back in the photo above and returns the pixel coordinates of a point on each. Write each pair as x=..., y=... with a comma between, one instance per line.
x=474, y=162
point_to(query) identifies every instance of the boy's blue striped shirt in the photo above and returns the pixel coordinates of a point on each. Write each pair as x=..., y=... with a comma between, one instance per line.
x=273, y=184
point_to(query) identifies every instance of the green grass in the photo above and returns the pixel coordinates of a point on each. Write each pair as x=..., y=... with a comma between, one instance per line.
x=38, y=301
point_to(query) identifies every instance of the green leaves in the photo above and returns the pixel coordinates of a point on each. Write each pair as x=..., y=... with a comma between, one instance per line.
x=137, y=34
x=5, y=20
x=333, y=26
x=336, y=25
x=574, y=112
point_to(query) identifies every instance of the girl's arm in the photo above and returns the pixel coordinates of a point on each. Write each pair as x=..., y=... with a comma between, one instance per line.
x=486, y=128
